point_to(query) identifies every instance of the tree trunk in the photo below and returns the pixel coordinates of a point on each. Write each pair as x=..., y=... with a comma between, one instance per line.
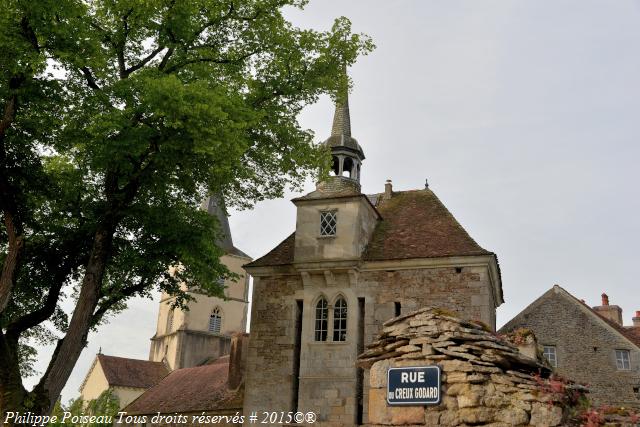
x=10, y=265
x=71, y=346
x=9, y=210
x=12, y=393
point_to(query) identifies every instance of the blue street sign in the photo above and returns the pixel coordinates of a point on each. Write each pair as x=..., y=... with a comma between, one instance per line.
x=416, y=385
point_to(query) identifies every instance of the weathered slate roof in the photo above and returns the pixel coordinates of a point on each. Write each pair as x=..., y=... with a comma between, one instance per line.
x=415, y=224
x=282, y=254
x=125, y=372
x=633, y=333
x=196, y=389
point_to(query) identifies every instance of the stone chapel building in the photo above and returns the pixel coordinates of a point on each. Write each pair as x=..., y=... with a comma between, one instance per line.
x=354, y=261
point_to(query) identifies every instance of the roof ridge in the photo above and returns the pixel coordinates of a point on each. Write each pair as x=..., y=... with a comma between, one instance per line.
x=127, y=358
x=618, y=328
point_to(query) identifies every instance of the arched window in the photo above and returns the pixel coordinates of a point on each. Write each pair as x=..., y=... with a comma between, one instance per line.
x=322, y=316
x=215, y=320
x=340, y=320
x=170, y=321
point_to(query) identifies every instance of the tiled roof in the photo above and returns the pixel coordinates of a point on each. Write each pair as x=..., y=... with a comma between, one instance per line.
x=630, y=332
x=282, y=254
x=415, y=224
x=633, y=333
x=124, y=372
x=237, y=252
x=196, y=389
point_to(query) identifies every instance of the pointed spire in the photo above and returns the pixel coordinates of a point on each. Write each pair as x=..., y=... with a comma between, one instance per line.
x=215, y=206
x=342, y=119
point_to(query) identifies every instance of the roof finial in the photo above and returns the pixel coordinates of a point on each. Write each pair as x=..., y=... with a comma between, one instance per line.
x=426, y=183
x=99, y=350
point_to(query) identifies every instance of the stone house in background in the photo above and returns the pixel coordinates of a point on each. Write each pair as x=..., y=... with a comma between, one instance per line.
x=587, y=345
x=126, y=378
x=353, y=262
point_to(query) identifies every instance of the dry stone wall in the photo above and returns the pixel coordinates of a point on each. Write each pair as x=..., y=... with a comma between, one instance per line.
x=485, y=380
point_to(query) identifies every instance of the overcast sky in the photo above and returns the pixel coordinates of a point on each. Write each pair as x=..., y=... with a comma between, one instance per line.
x=523, y=115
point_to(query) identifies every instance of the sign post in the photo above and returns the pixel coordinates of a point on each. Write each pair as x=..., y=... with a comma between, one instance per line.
x=416, y=385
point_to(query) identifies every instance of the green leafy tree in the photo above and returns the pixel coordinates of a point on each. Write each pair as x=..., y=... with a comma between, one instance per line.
x=118, y=117
x=106, y=405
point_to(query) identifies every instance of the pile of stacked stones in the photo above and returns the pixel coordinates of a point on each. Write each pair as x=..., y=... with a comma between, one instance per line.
x=485, y=379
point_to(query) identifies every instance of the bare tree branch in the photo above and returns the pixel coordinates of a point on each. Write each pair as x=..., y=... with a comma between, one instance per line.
x=91, y=81
x=212, y=60
x=125, y=293
x=144, y=61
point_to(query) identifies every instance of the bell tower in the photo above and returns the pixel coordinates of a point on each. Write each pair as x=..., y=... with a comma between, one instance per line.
x=346, y=153
x=335, y=221
x=189, y=338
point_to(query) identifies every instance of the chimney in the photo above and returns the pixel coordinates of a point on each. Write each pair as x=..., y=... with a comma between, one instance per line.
x=237, y=359
x=610, y=312
x=388, y=190
x=636, y=319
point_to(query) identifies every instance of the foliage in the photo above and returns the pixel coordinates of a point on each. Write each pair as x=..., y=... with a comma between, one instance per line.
x=119, y=117
x=521, y=336
x=571, y=397
x=107, y=405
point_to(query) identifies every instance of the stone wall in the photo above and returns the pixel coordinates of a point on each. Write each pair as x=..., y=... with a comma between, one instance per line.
x=328, y=380
x=585, y=347
x=270, y=362
x=463, y=290
x=485, y=380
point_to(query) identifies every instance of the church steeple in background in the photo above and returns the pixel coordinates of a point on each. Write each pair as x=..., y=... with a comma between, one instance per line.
x=214, y=205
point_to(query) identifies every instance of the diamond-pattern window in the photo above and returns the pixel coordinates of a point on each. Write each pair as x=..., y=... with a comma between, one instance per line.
x=328, y=223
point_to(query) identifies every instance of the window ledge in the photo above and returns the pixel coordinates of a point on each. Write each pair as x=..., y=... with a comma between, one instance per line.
x=327, y=237
x=337, y=343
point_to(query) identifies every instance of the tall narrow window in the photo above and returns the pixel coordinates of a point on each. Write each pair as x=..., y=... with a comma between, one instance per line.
x=340, y=320
x=549, y=352
x=322, y=316
x=328, y=223
x=170, y=321
x=215, y=320
x=623, y=362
